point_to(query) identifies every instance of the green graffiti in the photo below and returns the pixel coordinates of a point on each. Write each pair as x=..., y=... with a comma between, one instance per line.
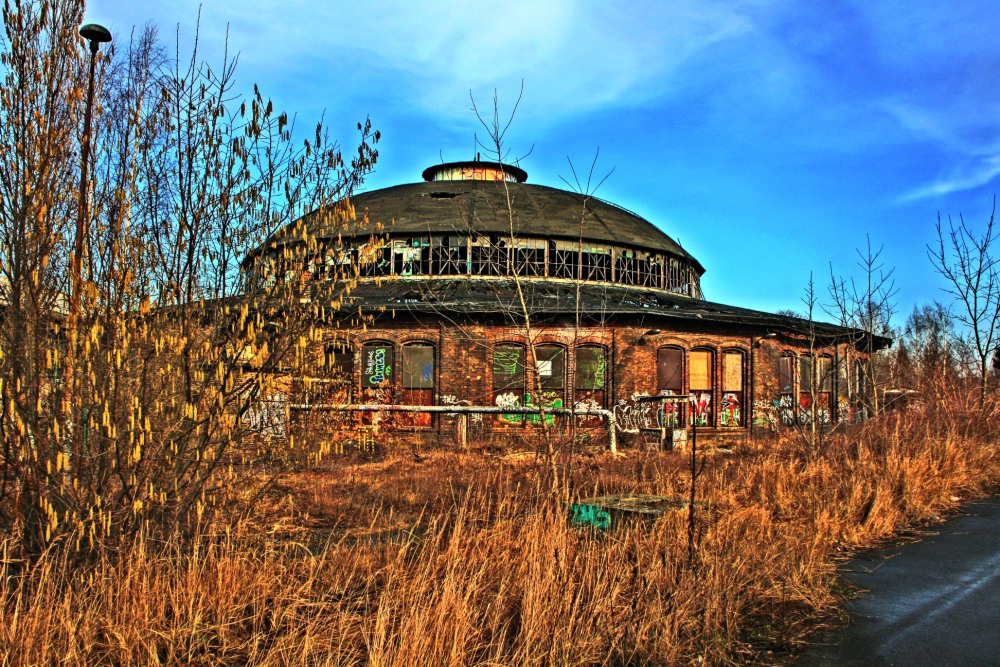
x=589, y=515
x=535, y=420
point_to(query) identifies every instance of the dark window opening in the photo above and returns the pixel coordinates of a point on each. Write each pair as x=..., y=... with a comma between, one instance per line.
x=564, y=260
x=411, y=257
x=627, y=268
x=650, y=270
x=550, y=365
x=529, y=257
x=489, y=256
x=450, y=256
x=596, y=264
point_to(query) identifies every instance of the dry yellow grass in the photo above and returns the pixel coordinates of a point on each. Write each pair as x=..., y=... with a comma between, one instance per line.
x=464, y=560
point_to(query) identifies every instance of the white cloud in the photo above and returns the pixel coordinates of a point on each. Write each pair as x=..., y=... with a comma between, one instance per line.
x=573, y=56
x=966, y=175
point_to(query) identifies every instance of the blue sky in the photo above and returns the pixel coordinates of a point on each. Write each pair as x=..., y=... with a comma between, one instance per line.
x=768, y=137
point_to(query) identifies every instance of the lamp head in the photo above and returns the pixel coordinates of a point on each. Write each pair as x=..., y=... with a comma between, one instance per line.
x=95, y=34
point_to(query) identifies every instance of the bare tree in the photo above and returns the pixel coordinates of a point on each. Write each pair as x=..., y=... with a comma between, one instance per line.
x=178, y=341
x=866, y=305
x=966, y=262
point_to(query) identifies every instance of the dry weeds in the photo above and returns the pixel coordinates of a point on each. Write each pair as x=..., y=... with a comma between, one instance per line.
x=464, y=560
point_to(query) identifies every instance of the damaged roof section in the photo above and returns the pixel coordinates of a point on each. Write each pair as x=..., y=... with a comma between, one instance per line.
x=594, y=302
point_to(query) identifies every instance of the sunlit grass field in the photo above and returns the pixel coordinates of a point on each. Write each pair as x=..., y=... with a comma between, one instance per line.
x=469, y=558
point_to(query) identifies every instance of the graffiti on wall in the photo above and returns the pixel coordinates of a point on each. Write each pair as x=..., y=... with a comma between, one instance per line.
x=701, y=408
x=268, y=416
x=637, y=413
x=376, y=368
x=730, y=413
x=786, y=410
x=512, y=402
x=448, y=399
x=765, y=414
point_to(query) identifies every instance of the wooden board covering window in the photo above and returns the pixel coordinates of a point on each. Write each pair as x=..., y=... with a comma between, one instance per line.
x=700, y=362
x=732, y=371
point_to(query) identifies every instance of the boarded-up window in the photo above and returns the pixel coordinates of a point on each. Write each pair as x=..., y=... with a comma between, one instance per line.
x=669, y=370
x=700, y=379
x=701, y=370
x=805, y=374
x=731, y=409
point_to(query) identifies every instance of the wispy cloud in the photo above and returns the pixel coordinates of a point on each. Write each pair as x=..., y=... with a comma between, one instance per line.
x=574, y=57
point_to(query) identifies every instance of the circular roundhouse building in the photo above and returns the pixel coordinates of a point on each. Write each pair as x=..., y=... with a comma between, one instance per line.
x=481, y=294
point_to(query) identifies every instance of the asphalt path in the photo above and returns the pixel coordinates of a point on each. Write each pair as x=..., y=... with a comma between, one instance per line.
x=931, y=602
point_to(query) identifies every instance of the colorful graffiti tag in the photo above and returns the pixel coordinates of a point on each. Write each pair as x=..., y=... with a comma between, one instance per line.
x=701, y=408
x=376, y=368
x=641, y=412
x=511, y=401
x=730, y=413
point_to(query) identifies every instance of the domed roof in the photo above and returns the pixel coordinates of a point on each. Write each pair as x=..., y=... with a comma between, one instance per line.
x=480, y=207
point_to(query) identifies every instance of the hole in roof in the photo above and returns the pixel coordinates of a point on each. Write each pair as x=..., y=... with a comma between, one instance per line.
x=443, y=195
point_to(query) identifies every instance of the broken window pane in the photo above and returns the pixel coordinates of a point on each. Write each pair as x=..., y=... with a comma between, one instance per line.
x=418, y=367
x=417, y=378
x=551, y=362
x=508, y=367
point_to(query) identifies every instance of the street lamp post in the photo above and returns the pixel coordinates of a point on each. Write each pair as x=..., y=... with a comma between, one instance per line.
x=95, y=35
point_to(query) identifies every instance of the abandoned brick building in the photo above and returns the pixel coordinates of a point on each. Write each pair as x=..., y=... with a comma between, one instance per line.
x=479, y=289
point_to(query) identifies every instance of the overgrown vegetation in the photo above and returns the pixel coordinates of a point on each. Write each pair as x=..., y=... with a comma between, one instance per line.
x=464, y=559
x=137, y=526
x=125, y=413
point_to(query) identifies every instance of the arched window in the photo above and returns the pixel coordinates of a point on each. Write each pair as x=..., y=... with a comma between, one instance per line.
x=377, y=378
x=732, y=409
x=670, y=381
x=591, y=377
x=377, y=372
x=590, y=381
x=508, y=380
x=550, y=362
x=786, y=388
x=824, y=388
x=701, y=384
x=417, y=382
